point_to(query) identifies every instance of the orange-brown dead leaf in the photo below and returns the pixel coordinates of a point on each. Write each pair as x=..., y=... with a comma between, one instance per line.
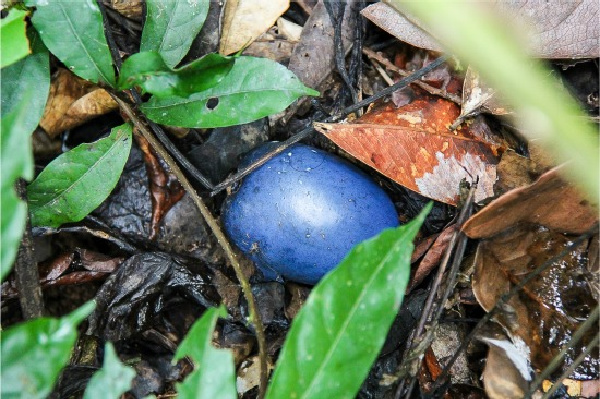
x=72, y=102
x=413, y=146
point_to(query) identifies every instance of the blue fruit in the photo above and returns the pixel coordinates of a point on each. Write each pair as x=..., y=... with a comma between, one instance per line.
x=299, y=214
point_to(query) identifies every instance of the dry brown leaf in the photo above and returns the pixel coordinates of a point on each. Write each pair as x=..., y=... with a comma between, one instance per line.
x=501, y=379
x=72, y=102
x=313, y=57
x=245, y=20
x=391, y=21
x=413, y=146
x=567, y=29
x=550, y=202
x=550, y=308
x=128, y=8
x=478, y=97
x=268, y=45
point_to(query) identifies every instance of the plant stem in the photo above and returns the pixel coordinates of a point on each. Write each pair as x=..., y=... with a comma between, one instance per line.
x=216, y=229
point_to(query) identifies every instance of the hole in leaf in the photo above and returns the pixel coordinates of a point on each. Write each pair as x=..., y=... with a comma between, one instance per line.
x=212, y=103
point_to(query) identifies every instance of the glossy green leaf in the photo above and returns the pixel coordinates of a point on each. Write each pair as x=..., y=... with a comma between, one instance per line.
x=171, y=26
x=33, y=353
x=76, y=182
x=341, y=328
x=148, y=71
x=24, y=87
x=214, y=369
x=112, y=380
x=254, y=88
x=74, y=32
x=13, y=40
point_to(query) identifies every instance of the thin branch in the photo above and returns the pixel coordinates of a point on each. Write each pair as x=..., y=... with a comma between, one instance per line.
x=304, y=133
x=216, y=230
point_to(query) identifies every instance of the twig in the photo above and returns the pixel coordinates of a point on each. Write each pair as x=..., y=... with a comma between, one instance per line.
x=27, y=278
x=556, y=361
x=216, y=230
x=304, y=133
x=377, y=56
x=424, y=340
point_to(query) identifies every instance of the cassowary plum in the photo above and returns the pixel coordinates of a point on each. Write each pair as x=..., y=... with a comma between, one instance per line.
x=300, y=213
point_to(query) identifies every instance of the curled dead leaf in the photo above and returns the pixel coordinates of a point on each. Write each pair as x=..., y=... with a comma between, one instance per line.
x=413, y=146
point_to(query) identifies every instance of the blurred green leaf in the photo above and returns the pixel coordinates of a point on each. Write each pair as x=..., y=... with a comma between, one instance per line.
x=74, y=32
x=112, y=380
x=477, y=35
x=13, y=40
x=76, y=182
x=171, y=26
x=341, y=328
x=24, y=87
x=254, y=88
x=149, y=71
x=214, y=369
x=34, y=352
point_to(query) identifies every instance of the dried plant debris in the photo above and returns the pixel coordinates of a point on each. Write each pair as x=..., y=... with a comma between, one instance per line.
x=543, y=317
x=550, y=202
x=132, y=297
x=245, y=20
x=72, y=102
x=564, y=30
x=129, y=212
x=413, y=146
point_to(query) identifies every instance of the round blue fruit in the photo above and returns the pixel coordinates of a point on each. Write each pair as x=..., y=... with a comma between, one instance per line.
x=299, y=214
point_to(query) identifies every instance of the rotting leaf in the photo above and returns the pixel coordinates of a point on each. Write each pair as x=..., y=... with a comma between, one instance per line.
x=164, y=188
x=544, y=316
x=413, y=146
x=77, y=267
x=550, y=201
x=76, y=182
x=131, y=297
x=171, y=26
x=339, y=331
x=561, y=30
x=245, y=20
x=247, y=93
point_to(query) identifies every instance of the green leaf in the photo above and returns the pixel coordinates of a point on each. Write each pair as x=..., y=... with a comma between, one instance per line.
x=33, y=353
x=254, y=88
x=214, y=370
x=112, y=380
x=76, y=182
x=149, y=71
x=341, y=328
x=171, y=26
x=13, y=40
x=24, y=86
x=74, y=32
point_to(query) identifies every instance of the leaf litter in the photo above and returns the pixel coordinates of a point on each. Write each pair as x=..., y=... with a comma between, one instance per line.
x=152, y=295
